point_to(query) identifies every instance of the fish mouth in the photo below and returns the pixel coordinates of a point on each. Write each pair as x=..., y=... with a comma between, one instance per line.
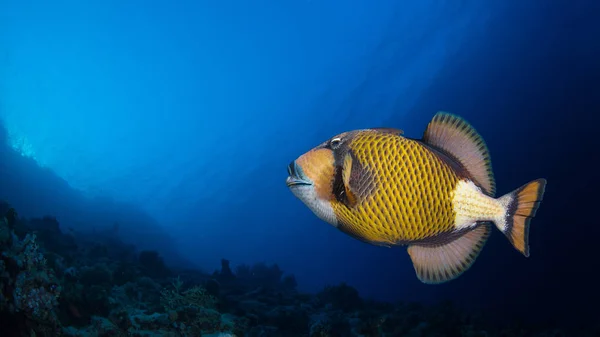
x=292, y=181
x=295, y=176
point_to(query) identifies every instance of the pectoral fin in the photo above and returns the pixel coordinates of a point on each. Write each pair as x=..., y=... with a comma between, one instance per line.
x=346, y=174
x=353, y=182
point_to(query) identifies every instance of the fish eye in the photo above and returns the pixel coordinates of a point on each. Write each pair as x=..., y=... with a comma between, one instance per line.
x=335, y=142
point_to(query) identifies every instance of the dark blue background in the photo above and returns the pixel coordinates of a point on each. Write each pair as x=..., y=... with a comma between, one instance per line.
x=177, y=121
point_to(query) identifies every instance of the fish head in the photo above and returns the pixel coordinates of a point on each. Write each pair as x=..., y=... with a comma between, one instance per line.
x=311, y=176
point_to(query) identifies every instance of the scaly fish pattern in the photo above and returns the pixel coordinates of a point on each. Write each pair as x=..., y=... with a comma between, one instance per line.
x=434, y=194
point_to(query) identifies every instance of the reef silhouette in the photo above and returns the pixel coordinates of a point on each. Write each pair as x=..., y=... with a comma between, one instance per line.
x=67, y=283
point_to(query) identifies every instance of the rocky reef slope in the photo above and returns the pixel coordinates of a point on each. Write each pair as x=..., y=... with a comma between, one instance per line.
x=64, y=283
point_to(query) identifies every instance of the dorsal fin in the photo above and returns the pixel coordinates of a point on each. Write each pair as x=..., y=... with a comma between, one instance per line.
x=393, y=131
x=457, y=138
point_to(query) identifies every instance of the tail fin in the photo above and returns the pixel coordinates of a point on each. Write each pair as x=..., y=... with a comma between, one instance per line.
x=521, y=206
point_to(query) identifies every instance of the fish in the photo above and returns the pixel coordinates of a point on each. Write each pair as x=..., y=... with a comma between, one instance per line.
x=434, y=195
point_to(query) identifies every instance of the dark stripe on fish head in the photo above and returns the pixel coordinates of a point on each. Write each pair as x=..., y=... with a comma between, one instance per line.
x=352, y=181
x=311, y=176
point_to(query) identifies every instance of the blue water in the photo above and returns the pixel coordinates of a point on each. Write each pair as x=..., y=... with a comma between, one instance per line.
x=177, y=120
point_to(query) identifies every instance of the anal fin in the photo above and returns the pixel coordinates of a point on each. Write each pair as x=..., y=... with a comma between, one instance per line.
x=439, y=263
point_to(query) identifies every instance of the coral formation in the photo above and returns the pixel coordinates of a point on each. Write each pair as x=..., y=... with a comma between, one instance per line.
x=29, y=286
x=68, y=284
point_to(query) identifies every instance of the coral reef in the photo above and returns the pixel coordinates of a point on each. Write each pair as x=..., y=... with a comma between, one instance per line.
x=69, y=284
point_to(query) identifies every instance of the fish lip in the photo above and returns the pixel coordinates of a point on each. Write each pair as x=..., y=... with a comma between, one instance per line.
x=295, y=181
x=296, y=176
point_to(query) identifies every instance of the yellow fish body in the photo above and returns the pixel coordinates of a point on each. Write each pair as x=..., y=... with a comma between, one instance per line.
x=434, y=194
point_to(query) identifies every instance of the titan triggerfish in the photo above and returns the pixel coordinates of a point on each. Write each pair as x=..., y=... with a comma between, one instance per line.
x=435, y=195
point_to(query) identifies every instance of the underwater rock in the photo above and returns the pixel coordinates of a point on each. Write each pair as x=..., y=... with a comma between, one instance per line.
x=5, y=232
x=99, y=326
x=253, y=307
x=263, y=331
x=212, y=286
x=50, y=235
x=328, y=324
x=125, y=272
x=29, y=286
x=289, y=282
x=153, y=265
x=11, y=217
x=342, y=297
x=225, y=274
x=155, y=321
x=289, y=318
x=99, y=274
